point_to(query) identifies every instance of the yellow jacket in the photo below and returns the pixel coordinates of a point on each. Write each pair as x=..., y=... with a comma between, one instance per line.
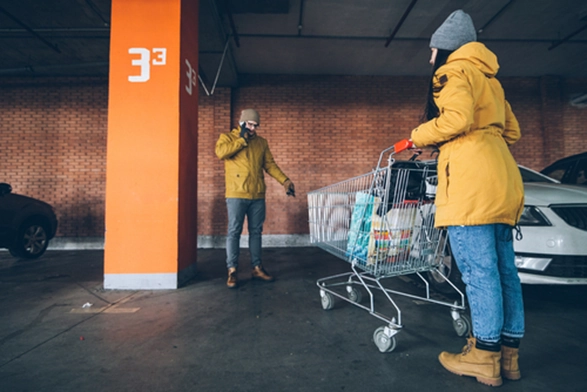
x=244, y=162
x=478, y=180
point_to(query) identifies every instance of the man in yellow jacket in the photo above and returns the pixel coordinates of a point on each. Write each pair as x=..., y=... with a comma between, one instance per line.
x=246, y=156
x=480, y=195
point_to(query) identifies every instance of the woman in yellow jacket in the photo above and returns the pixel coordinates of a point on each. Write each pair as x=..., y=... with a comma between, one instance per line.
x=480, y=194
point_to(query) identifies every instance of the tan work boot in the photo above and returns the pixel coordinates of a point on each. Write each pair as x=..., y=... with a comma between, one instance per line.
x=509, y=363
x=473, y=362
x=260, y=273
x=232, y=279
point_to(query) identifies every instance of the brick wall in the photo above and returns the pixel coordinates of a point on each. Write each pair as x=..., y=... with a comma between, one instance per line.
x=53, y=138
x=214, y=118
x=321, y=130
x=574, y=125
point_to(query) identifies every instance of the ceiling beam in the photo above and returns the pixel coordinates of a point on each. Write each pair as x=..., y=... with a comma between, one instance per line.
x=401, y=22
x=27, y=28
x=494, y=17
x=300, y=24
x=232, y=25
x=568, y=37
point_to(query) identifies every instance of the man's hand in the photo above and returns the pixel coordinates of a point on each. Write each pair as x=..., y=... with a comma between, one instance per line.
x=244, y=132
x=290, y=189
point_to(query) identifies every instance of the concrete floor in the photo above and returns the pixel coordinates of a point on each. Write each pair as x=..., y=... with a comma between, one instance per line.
x=261, y=337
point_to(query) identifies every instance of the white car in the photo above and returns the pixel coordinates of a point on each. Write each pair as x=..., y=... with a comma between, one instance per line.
x=553, y=247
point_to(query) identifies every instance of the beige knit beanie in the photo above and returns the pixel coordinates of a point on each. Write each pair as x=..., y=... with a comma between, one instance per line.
x=250, y=115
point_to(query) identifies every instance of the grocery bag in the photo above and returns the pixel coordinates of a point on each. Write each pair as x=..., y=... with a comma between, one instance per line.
x=360, y=227
x=390, y=236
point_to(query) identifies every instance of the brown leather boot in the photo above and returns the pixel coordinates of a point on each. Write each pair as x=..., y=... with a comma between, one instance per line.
x=261, y=274
x=473, y=362
x=232, y=281
x=509, y=363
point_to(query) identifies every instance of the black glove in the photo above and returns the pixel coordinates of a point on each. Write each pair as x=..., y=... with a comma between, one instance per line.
x=290, y=190
x=244, y=132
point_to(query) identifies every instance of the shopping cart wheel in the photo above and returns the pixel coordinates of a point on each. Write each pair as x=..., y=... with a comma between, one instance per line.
x=384, y=343
x=327, y=300
x=354, y=294
x=462, y=325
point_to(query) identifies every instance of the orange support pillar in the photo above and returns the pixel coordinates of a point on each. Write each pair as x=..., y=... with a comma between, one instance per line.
x=151, y=171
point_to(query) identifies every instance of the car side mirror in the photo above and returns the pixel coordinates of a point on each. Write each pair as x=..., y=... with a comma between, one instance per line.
x=5, y=188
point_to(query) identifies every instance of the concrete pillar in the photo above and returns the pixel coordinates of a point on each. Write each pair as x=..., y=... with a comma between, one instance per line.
x=151, y=172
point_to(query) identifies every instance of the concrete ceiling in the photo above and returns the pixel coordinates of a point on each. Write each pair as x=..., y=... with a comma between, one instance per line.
x=323, y=37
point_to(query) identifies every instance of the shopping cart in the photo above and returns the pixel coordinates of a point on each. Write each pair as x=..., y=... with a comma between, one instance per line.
x=382, y=223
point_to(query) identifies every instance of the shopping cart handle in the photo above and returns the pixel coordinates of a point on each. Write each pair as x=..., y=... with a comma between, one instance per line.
x=402, y=145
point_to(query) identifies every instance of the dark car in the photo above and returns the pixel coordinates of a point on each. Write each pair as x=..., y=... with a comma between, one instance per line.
x=571, y=170
x=26, y=224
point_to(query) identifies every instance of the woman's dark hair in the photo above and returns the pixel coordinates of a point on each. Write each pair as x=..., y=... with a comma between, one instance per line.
x=431, y=110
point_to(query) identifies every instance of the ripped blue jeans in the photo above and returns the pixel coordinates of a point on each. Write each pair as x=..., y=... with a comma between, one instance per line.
x=485, y=257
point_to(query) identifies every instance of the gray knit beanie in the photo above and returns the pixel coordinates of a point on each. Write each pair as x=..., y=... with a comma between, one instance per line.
x=457, y=30
x=250, y=115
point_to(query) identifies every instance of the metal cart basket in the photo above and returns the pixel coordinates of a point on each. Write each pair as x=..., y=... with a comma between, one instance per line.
x=382, y=223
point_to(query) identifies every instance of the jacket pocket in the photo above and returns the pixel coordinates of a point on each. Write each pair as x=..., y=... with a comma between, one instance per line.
x=238, y=182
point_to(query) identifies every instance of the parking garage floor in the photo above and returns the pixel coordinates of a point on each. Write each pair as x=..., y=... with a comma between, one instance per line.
x=61, y=331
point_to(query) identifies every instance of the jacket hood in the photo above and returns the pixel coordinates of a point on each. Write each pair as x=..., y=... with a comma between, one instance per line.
x=478, y=54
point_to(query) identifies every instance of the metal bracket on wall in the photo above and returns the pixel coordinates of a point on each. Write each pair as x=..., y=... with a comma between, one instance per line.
x=211, y=91
x=579, y=101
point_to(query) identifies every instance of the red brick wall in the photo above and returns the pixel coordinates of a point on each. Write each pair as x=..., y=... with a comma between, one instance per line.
x=321, y=130
x=574, y=124
x=53, y=139
x=214, y=112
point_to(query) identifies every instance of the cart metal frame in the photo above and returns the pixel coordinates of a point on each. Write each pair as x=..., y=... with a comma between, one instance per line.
x=346, y=220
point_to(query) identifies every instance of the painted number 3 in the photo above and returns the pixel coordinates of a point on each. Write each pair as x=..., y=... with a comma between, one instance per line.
x=191, y=74
x=144, y=62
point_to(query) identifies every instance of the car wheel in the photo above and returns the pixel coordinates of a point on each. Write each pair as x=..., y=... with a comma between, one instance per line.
x=449, y=269
x=31, y=241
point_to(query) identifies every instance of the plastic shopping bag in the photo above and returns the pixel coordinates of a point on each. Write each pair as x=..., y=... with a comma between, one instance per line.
x=360, y=227
x=390, y=236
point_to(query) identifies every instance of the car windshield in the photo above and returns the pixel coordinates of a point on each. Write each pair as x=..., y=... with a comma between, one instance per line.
x=529, y=175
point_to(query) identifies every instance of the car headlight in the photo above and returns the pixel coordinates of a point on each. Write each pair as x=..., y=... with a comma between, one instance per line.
x=532, y=216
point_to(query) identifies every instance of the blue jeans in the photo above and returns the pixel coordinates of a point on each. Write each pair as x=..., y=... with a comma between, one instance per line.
x=237, y=209
x=485, y=257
